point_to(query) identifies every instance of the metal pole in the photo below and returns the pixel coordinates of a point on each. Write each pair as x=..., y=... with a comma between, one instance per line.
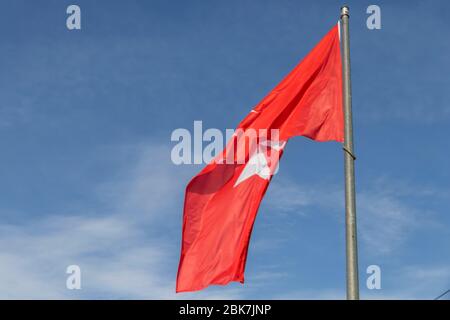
x=349, y=158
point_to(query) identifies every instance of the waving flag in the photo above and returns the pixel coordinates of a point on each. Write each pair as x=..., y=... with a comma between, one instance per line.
x=222, y=201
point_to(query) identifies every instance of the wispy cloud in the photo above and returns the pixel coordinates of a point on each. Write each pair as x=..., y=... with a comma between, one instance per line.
x=387, y=215
x=126, y=248
x=406, y=283
x=424, y=281
x=286, y=196
x=122, y=252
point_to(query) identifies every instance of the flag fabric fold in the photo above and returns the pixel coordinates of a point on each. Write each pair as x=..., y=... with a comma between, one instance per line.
x=222, y=201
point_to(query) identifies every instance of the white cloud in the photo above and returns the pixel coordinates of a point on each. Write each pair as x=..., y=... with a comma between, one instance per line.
x=286, y=196
x=122, y=253
x=385, y=222
x=128, y=251
x=407, y=283
x=386, y=215
x=414, y=282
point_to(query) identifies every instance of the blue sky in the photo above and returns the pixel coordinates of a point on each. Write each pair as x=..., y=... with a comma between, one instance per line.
x=86, y=118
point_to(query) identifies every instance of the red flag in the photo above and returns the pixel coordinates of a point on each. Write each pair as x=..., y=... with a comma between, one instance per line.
x=221, y=202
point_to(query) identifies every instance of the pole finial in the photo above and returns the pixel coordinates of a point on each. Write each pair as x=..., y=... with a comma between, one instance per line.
x=345, y=11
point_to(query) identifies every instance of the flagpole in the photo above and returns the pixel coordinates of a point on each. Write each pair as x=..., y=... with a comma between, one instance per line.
x=349, y=159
